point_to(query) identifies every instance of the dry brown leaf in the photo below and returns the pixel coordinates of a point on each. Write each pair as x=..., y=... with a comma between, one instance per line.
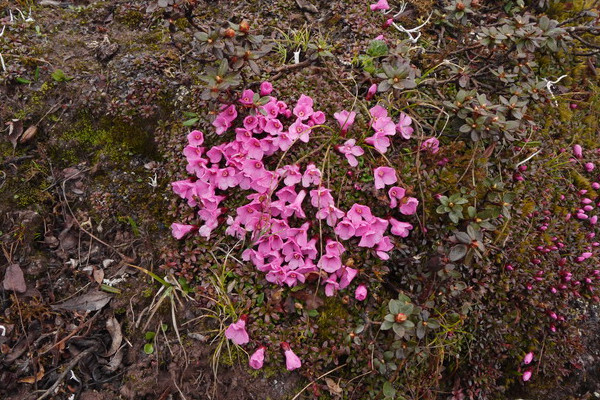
x=333, y=387
x=113, y=327
x=15, y=129
x=98, y=275
x=34, y=379
x=14, y=279
x=29, y=134
x=91, y=301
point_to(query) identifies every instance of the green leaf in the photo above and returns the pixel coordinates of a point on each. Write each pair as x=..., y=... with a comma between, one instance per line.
x=148, y=348
x=399, y=330
x=22, y=80
x=59, y=76
x=433, y=324
x=388, y=390
x=189, y=114
x=386, y=325
x=458, y=252
x=191, y=122
x=394, y=306
x=408, y=324
x=313, y=313
x=420, y=331
x=463, y=237
x=406, y=309
x=110, y=289
x=149, y=336
x=260, y=299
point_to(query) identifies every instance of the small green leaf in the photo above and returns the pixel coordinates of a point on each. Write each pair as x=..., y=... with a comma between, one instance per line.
x=458, y=252
x=394, y=306
x=22, y=80
x=191, y=122
x=110, y=289
x=313, y=313
x=148, y=348
x=149, y=336
x=399, y=330
x=59, y=76
x=386, y=325
x=388, y=390
x=260, y=299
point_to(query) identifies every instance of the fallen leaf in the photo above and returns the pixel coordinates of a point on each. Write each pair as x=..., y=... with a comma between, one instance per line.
x=113, y=327
x=333, y=387
x=98, y=275
x=14, y=279
x=15, y=129
x=29, y=134
x=34, y=379
x=91, y=301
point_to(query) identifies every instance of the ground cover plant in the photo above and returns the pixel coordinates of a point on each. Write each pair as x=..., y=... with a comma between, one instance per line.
x=387, y=200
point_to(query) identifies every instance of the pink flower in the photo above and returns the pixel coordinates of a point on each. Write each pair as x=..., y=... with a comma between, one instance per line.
x=526, y=375
x=318, y=117
x=403, y=126
x=345, y=119
x=380, y=5
x=396, y=194
x=371, y=92
x=400, y=228
x=257, y=359
x=361, y=293
x=180, y=230
x=312, y=176
x=384, y=176
x=408, y=205
x=578, y=151
x=221, y=124
x=378, y=112
x=345, y=229
x=292, y=361
x=247, y=98
x=351, y=151
x=431, y=145
x=266, y=88
x=330, y=263
x=528, y=358
x=298, y=130
x=236, y=332
x=195, y=138
x=589, y=167
x=380, y=141
x=384, y=245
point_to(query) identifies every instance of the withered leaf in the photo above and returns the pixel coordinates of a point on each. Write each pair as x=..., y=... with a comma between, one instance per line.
x=14, y=279
x=91, y=301
x=113, y=327
x=15, y=129
x=29, y=134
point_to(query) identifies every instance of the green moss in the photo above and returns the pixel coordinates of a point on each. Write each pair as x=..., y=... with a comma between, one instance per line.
x=331, y=316
x=130, y=18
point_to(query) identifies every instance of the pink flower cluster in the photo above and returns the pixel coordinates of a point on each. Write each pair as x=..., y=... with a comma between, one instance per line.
x=285, y=252
x=384, y=127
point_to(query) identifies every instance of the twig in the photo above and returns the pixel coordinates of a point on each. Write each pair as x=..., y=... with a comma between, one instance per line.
x=287, y=68
x=64, y=374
